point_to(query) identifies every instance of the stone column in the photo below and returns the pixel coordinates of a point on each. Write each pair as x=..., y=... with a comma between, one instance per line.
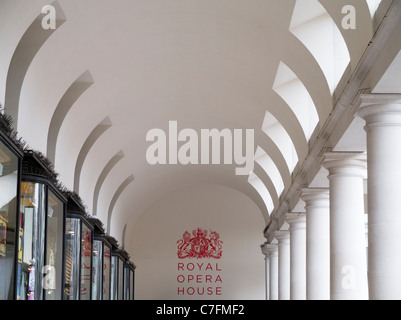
x=317, y=206
x=283, y=238
x=382, y=113
x=348, y=272
x=272, y=250
x=265, y=251
x=297, y=223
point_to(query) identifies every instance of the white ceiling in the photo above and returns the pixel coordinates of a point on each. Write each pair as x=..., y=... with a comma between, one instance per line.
x=206, y=64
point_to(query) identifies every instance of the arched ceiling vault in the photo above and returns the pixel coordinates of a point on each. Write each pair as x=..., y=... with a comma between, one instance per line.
x=140, y=64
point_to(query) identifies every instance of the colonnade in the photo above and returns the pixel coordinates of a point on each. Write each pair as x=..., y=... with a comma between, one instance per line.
x=323, y=254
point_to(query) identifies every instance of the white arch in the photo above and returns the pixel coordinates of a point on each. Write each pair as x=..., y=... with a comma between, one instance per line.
x=373, y=6
x=294, y=93
x=264, y=160
x=259, y=186
x=315, y=28
x=280, y=137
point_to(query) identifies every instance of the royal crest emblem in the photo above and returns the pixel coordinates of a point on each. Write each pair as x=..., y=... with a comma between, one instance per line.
x=200, y=245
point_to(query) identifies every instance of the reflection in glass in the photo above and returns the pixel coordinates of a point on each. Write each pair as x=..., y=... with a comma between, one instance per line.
x=86, y=253
x=114, y=278
x=106, y=273
x=31, y=242
x=131, y=284
x=72, y=251
x=54, y=247
x=8, y=221
x=127, y=283
x=97, y=265
x=120, y=279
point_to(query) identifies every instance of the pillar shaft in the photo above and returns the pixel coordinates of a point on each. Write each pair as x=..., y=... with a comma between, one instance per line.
x=317, y=206
x=348, y=272
x=265, y=251
x=272, y=252
x=382, y=114
x=297, y=229
x=283, y=238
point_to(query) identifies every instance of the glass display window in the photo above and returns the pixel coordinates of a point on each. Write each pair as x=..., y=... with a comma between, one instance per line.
x=132, y=284
x=129, y=274
x=101, y=271
x=107, y=272
x=78, y=251
x=97, y=270
x=31, y=241
x=72, y=254
x=40, y=266
x=114, y=278
x=10, y=164
x=86, y=261
x=120, y=279
x=118, y=259
x=54, y=247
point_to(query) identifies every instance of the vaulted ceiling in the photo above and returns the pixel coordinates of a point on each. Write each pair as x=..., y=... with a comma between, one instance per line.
x=87, y=93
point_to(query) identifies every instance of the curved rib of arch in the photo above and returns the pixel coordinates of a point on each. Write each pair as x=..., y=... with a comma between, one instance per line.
x=278, y=108
x=123, y=238
x=117, y=194
x=313, y=78
x=315, y=28
x=255, y=182
x=264, y=160
x=267, y=143
x=373, y=6
x=292, y=90
x=29, y=45
x=90, y=141
x=257, y=199
x=280, y=137
x=266, y=180
x=106, y=170
x=77, y=88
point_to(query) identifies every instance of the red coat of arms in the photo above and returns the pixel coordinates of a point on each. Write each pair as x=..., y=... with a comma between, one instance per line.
x=200, y=245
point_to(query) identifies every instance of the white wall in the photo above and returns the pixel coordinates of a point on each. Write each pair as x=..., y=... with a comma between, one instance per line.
x=153, y=244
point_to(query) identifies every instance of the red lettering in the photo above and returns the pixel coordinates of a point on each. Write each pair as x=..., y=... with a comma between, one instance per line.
x=200, y=266
x=209, y=291
x=180, y=266
x=193, y=291
x=208, y=278
x=217, y=267
x=218, y=291
x=181, y=291
x=193, y=266
x=203, y=291
x=190, y=278
x=181, y=277
x=209, y=267
x=199, y=278
x=218, y=279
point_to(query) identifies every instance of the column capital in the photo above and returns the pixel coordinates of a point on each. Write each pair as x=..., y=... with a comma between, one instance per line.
x=283, y=236
x=380, y=109
x=316, y=197
x=270, y=249
x=378, y=99
x=264, y=250
x=296, y=220
x=315, y=194
x=351, y=164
